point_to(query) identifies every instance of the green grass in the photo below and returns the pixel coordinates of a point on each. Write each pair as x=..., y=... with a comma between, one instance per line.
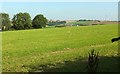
x=59, y=49
x=82, y=23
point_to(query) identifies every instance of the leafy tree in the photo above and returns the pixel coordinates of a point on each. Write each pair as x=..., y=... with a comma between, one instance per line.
x=39, y=21
x=27, y=21
x=5, y=21
x=22, y=21
x=17, y=21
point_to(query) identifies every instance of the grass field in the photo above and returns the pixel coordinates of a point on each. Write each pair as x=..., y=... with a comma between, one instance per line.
x=59, y=49
x=81, y=22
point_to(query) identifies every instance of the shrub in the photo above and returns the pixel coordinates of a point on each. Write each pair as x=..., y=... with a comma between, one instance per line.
x=92, y=62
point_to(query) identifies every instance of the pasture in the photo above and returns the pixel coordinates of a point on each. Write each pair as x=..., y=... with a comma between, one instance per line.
x=59, y=49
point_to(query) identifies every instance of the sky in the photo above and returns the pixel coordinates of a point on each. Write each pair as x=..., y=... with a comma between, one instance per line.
x=64, y=10
x=59, y=0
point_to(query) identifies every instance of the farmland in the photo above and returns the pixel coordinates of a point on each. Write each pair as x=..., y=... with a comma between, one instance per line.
x=59, y=49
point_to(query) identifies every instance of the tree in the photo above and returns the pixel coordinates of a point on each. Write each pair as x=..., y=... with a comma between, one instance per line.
x=5, y=21
x=27, y=21
x=39, y=21
x=17, y=21
x=22, y=21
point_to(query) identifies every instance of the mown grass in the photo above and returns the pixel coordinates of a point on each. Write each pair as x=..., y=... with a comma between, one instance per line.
x=59, y=49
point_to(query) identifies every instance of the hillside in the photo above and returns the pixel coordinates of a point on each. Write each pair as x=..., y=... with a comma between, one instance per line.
x=59, y=49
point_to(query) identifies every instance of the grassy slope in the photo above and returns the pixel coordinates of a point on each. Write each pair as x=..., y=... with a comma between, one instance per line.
x=59, y=49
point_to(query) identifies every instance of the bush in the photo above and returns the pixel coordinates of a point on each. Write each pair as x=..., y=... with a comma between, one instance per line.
x=92, y=62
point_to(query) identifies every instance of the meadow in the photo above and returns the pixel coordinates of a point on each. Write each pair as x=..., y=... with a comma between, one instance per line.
x=81, y=22
x=59, y=49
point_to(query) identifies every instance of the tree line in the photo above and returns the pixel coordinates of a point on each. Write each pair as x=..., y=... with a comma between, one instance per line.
x=22, y=21
x=56, y=23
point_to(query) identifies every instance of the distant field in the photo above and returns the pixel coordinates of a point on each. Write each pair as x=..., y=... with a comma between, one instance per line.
x=59, y=49
x=85, y=23
x=81, y=22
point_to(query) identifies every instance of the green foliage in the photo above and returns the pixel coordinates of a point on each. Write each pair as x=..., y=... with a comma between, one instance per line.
x=22, y=21
x=5, y=21
x=55, y=23
x=93, y=62
x=39, y=21
x=27, y=21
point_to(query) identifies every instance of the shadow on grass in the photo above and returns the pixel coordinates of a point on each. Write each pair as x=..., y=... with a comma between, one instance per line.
x=65, y=66
x=106, y=64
